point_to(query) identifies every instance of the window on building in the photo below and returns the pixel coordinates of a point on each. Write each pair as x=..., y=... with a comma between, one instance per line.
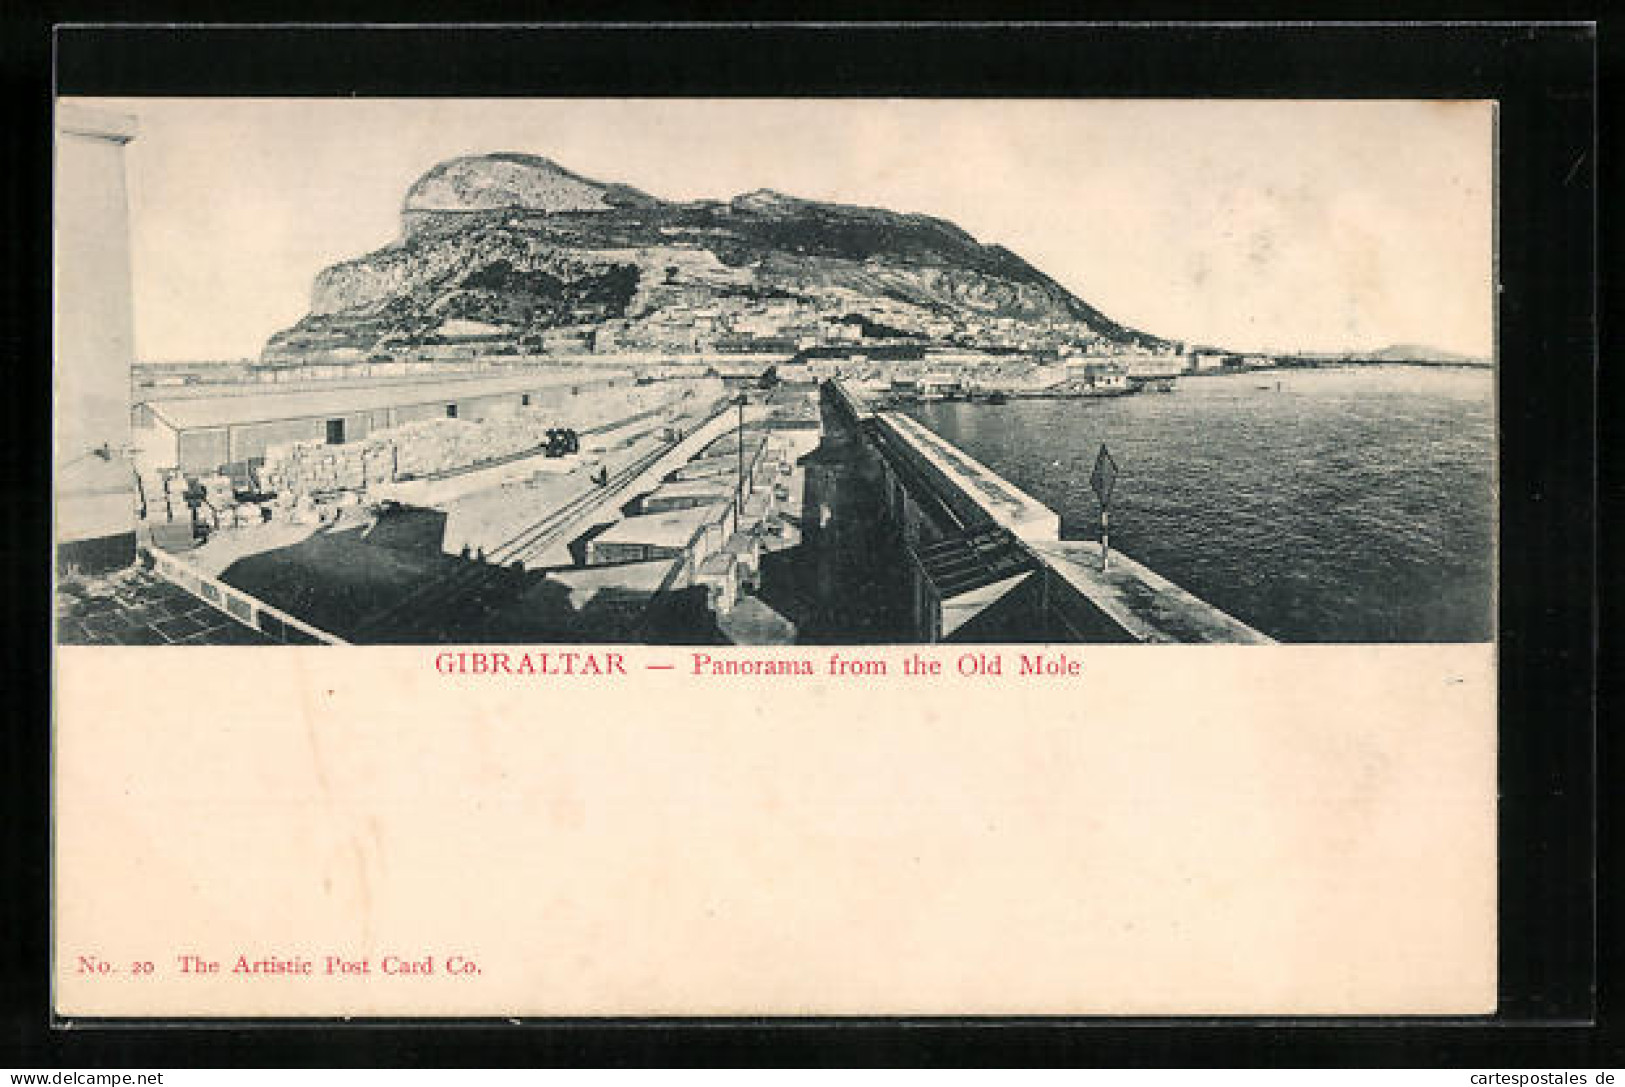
x=335, y=432
x=451, y=411
x=524, y=400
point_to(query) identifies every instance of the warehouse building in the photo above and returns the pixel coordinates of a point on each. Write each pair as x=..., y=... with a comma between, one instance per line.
x=202, y=435
x=690, y=534
x=651, y=536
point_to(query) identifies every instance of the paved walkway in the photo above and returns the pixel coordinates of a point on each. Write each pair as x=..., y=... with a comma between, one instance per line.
x=136, y=607
x=1144, y=604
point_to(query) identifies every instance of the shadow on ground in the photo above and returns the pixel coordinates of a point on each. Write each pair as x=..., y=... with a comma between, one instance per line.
x=389, y=584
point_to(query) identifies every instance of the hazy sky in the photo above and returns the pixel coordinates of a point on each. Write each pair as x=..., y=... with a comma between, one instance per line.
x=1320, y=226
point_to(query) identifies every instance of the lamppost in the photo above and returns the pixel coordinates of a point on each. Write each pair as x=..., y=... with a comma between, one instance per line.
x=739, y=487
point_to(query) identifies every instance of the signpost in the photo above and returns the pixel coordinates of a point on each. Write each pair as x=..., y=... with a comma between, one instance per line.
x=1103, y=479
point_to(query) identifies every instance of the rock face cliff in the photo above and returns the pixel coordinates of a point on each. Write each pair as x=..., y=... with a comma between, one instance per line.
x=514, y=253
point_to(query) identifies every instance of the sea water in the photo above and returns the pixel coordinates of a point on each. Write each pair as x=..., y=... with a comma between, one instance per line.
x=1333, y=505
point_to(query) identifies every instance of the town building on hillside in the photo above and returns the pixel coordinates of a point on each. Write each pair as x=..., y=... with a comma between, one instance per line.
x=566, y=341
x=940, y=386
x=459, y=330
x=1098, y=373
x=1140, y=366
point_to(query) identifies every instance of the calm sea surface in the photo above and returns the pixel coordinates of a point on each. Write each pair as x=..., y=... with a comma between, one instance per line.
x=1351, y=505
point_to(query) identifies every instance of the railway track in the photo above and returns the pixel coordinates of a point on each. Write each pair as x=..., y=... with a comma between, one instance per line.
x=468, y=585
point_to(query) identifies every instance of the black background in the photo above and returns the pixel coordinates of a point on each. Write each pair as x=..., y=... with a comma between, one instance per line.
x=1546, y=80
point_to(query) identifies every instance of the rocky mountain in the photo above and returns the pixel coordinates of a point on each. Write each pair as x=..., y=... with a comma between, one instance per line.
x=1412, y=352
x=514, y=253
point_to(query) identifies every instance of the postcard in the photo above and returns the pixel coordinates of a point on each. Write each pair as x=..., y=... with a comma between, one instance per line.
x=796, y=557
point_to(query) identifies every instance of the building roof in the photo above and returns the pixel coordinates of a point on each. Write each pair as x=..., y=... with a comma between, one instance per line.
x=742, y=543
x=719, y=563
x=275, y=406
x=710, y=468
x=672, y=529
x=720, y=513
x=642, y=577
x=720, y=489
